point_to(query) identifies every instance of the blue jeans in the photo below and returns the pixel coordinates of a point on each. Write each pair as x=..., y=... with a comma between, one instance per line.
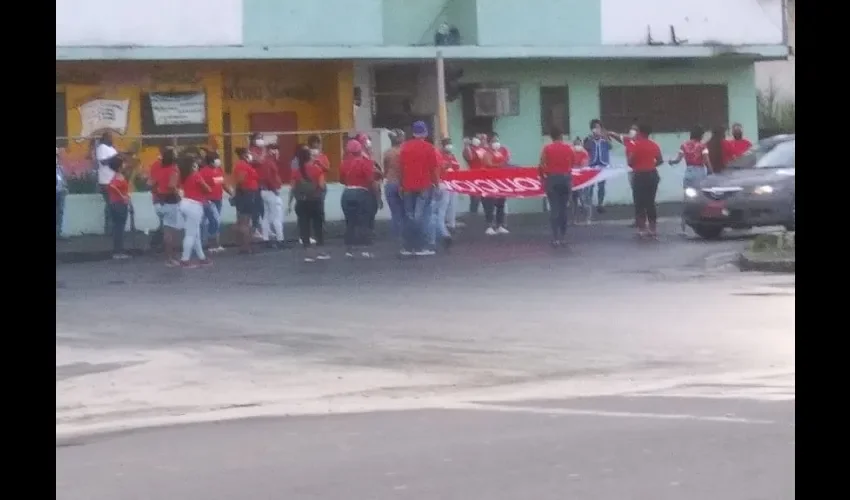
x=600, y=194
x=107, y=213
x=357, y=206
x=396, y=205
x=558, y=190
x=118, y=217
x=440, y=208
x=211, y=224
x=417, y=216
x=60, y=212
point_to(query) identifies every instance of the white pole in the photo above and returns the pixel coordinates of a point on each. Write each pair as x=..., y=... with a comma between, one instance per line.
x=442, y=112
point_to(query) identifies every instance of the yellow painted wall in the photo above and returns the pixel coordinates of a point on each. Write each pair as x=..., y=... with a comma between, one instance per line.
x=329, y=108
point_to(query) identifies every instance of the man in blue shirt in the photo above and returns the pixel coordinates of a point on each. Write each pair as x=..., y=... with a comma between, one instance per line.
x=598, y=147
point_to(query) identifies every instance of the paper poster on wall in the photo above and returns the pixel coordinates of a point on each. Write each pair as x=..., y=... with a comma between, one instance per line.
x=179, y=109
x=103, y=114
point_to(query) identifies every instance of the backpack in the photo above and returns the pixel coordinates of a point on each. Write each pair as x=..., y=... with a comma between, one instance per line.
x=306, y=189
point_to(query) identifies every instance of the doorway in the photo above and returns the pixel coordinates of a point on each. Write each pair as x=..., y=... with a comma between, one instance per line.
x=285, y=121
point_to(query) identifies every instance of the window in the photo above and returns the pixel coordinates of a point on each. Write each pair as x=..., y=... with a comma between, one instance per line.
x=781, y=156
x=61, y=121
x=667, y=108
x=554, y=109
x=149, y=126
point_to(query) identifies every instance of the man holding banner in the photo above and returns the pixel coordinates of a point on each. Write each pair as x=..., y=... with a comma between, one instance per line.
x=556, y=166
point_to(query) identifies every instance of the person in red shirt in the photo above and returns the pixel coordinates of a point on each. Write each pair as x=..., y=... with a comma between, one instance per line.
x=195, y=196
x=495, y=156
x=644, y=159
x=314, y=143
x=695, y=154
x=118, y=193
x=246, y=198
x=153, y=172
x=557, y=160
x=270, y=185
x=358, y=198
x=307, y=189
x=737, y=145
x=450, y=164
x=213, y=175
x=257, y=148
x=165, y=184
x=473, y=152
x=420, y=175
x=581, y=200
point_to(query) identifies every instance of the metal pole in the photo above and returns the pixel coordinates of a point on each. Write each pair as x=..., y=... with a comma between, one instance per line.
x=442, y=113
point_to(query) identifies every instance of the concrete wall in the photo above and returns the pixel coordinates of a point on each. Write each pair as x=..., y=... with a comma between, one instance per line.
x=539, y=22
x=780, y=76
x=316, y=23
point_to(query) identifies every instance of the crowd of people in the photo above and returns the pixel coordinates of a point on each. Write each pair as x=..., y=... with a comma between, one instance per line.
x=188, y=188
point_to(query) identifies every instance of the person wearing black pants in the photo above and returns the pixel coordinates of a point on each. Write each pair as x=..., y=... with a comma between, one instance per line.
x=556, y=165
x=308, y=191
x=360, y=199
x=644, y=159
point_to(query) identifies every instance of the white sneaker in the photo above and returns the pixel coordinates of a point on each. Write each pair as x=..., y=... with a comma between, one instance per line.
x=490, y=231
x=312, y=241
x=349, y=255
x=120, y=256
x=258, y=235
x=405, y=253
x=217, y=249
x=309, y=259
x=425, y=253
x=323, y=256
x=367, y=255
x=503, y=230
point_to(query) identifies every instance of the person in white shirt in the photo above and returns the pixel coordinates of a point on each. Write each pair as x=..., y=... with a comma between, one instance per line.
x=103, y=154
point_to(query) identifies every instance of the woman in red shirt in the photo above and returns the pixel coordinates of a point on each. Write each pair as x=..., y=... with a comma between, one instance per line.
x=695, y=154
x=494, y=208
x=257, y=148
x=213, y=175
x=195, y=195
x=307, y=189
x=166, y=182
x=473, y=153
x=118, y=192
x=447, y=209
x=270, y=185
x=246, y=199
x=556, y=171
x=357, y=174
x=644, y=159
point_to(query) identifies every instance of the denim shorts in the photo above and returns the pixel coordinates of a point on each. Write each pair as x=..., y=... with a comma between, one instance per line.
x=170, y=215
x=693, y=176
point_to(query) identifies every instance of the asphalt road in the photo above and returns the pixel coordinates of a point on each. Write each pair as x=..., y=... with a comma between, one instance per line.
x=505, y=370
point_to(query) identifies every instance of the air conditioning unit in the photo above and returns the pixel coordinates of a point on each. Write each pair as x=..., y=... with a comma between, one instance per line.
x=496, y=101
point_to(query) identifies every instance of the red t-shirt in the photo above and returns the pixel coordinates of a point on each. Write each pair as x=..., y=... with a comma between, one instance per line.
x=694, y=153
x=644, y=154
x=582, y=158
x=449, y=161
x=734, y=148
x=314, y=172
x=269, y=175
x=558, y=158
x=163, y=177
x=419, y=165
x=214, y=177
x=322, y=160
x=192, y=187
x=474, y=156
x=118, y=188
x=498, y=158
x=357, y=171
x=250, y=179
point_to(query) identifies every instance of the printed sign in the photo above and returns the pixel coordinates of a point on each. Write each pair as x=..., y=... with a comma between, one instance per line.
x=179, y=109
x=103, y=114
x=523, y=182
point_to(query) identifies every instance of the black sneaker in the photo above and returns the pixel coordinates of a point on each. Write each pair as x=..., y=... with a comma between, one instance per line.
x=600, y=209
x=447, y=242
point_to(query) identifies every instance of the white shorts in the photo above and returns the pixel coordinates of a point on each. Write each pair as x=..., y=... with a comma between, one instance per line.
x=170, y=215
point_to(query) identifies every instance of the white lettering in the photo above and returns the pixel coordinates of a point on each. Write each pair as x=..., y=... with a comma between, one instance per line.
x=528, y=184
x=485, y=186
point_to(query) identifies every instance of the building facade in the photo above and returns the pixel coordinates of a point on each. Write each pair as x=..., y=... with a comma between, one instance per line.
x=343, y=65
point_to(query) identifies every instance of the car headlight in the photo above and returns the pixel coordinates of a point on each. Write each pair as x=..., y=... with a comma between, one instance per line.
x=691, y=192
x=766, y=189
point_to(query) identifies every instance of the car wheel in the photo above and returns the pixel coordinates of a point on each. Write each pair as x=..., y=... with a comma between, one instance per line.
x=708, y=232
x=792, y=224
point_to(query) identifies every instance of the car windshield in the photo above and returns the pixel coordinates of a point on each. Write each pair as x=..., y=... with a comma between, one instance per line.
x=781, y=156
x=753, y=155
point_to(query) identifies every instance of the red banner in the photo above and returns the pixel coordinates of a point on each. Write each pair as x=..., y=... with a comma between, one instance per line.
x=519, y=182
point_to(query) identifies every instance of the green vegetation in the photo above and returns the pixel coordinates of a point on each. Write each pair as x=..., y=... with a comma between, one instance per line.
x=774, y=112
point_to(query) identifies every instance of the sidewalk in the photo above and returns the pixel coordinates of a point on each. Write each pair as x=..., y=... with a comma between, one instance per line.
x=88, y=248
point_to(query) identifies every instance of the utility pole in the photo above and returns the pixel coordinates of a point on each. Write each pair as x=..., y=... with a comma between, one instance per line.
x=442, y=112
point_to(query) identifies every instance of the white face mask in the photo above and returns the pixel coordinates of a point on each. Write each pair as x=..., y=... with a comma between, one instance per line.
x=314, y=152
x=476, y=142
x=448, y=148
x=496, y=145
x=368, y=143
x=632, y=133
x=216, y=162
x=260, y=143
x=249, y=158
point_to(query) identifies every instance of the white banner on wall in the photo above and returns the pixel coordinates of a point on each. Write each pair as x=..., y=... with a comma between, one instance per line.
x=184, y=109
x=102, y=114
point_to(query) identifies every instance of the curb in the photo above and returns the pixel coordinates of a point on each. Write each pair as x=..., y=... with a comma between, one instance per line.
x=747, y=261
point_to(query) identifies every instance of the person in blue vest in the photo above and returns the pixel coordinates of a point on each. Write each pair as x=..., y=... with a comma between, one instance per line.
x=598, y=147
